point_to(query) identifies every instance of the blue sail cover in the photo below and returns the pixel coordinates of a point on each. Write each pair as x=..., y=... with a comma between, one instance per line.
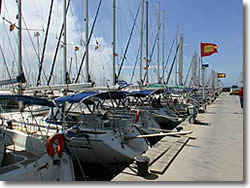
x=74, y=98
x=28, y=100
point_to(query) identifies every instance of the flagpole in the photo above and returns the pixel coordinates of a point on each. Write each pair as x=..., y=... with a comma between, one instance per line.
x=203, y=80
x=203, y=66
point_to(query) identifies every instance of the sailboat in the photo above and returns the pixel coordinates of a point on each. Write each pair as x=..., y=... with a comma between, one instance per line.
x=94, y=131
x=27, y=152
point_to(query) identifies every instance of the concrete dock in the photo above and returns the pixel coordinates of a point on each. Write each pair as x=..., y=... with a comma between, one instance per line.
x=215, y=155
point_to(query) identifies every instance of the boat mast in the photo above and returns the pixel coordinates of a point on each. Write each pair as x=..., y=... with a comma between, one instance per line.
x=65, y=43
x=114, y=42
x=199, y=71
x=176, y=57
x=20, y=55
x=141, y=44
x=86, y=40
x=195, y=70
x=147, y=60
x=181, y=61
x=163, y=67
x=44, y=45
x=158, y=42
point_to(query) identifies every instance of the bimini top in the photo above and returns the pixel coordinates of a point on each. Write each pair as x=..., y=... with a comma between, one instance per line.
x=28, y=100
x=81, y=97
x=145, y=93
x=75, y=98
x=112, y=95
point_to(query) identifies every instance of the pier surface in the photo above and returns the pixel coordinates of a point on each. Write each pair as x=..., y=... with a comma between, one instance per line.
x=215, y=155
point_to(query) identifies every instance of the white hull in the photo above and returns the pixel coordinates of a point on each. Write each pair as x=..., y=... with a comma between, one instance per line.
x=31, y=161
x=32, y=172
x=108, y=148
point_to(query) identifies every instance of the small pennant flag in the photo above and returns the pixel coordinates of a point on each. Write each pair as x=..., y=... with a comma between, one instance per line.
x=221, y=75
x=76, y=48
x=96, y=47
x=12, y=27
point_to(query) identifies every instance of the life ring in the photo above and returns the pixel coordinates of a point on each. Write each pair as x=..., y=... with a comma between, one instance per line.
x=50, y=142
x=137, y=116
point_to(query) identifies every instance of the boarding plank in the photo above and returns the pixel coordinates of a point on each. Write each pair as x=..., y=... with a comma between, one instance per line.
x=163, y=163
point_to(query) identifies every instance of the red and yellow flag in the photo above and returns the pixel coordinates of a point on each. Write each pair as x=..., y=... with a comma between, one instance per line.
x=208, y=49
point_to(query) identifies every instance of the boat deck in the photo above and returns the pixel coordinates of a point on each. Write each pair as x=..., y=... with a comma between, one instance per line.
x=214, y=152
x=15, y=157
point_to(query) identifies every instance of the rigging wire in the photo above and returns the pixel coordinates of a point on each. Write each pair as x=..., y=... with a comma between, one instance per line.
x=137, y=56
x=91, y=32
x=76, y=25
x=126, y=49
x=40, y=16
x=6, y=66
x=151, y=55
x=169, y=54
x=11, y=47
x=188, y=72
x=33, y=45
x=44, y=44
x=173, y=63
x=57, y=48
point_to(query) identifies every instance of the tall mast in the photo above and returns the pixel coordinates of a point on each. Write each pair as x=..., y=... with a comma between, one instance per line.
x=141, y=44
x=163, y=64
x=176, y=57
x=147, y=60
x=86, y=40
x=194, y=70
x=181, y=61
x=20, y=55
x=65, y=43
x=114, y=42
x=199, y=71
x=158, y=42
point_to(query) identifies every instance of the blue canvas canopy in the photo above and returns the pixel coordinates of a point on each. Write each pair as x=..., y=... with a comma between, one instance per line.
x=136, y=94
x=81, y=97
x=74, y=98
x=112, y=95
x=145, y=93
x=28, y=100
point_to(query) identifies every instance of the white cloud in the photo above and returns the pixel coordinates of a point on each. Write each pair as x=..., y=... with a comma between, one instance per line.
x=35, y=13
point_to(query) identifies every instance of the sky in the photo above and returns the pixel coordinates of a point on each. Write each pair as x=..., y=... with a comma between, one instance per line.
x=219, y=22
